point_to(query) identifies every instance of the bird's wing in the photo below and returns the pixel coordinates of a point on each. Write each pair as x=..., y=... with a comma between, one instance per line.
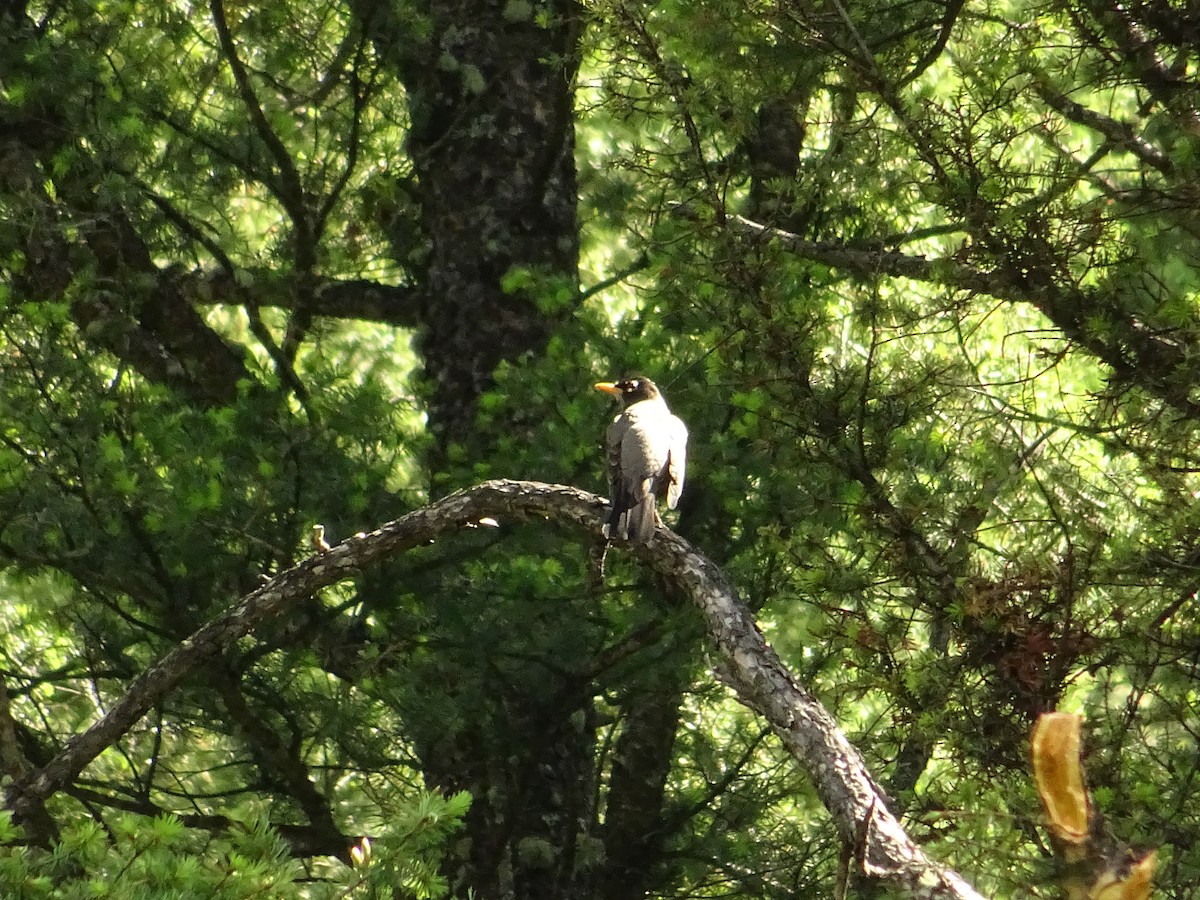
x=676, y=460
x=614, y=438
x=617, y=524
x=643, y=461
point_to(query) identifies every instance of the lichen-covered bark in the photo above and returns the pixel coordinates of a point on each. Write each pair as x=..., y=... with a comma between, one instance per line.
x=490, y=97
x=490, y=88
x=857, y=806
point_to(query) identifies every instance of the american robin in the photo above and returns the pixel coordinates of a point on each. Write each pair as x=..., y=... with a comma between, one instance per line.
x=647, y=454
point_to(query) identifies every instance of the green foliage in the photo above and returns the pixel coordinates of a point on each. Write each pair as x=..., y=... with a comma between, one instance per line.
x=954, y=497
x=138, y=857
x=404, y=863
x=151, y=858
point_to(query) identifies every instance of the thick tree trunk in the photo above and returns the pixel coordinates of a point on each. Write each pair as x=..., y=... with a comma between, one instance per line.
x=490, y=93
x=492, y=143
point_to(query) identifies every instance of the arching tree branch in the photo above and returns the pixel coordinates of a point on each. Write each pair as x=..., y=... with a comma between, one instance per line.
x=751, y=667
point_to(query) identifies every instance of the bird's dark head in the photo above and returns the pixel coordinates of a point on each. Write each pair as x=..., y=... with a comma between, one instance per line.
x=631, y=390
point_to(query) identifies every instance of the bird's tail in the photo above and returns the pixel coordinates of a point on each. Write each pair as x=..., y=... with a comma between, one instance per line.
x=634, y=523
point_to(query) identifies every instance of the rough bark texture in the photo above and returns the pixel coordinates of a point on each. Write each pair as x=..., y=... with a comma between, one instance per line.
x=492, y=144
x=859, y=810
x=490, y=88
x=634, y=826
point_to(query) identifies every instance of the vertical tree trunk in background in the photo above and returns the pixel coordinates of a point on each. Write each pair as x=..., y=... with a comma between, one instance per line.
x=492, y=143
x=490, y=92
x=635, y=829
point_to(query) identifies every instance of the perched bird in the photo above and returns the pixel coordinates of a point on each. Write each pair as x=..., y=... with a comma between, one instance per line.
x=647, y=454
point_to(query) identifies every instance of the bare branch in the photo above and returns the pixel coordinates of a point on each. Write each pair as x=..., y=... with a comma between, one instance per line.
x=1158, y=363
x=953, y=8
x=751, y=667
x=1116, y=132
x=355, y=298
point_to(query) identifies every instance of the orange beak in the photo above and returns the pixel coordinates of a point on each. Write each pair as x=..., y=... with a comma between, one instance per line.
x=608, y=387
